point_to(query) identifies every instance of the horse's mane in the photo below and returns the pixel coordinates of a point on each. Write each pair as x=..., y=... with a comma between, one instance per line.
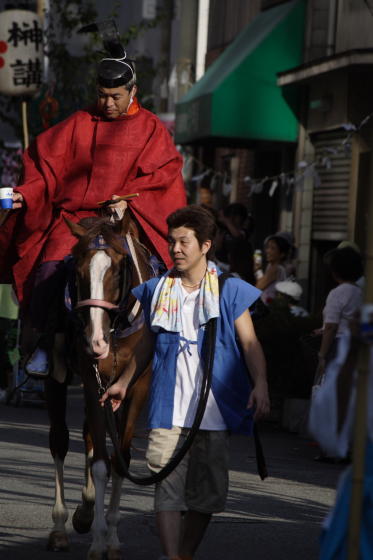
x=96, y=226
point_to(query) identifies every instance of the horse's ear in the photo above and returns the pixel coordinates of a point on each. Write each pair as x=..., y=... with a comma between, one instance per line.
x=76, y=229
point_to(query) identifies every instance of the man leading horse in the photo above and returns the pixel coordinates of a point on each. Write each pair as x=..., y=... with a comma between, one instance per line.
x=112, y=149
x=178, y=307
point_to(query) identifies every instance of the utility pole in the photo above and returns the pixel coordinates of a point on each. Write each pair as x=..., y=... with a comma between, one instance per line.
x=186, y=59
x=40, y=8
x=360, y=426
x=166, y=28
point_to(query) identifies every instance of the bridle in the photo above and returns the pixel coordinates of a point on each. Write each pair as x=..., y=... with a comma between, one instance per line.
x=122, y=323
x=99, y=243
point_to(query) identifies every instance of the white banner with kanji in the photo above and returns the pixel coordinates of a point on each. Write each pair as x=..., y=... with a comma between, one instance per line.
x=21, y=52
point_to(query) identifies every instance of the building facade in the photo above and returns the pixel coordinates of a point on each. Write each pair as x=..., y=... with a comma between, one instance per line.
x=234, y=121
x=335, y=86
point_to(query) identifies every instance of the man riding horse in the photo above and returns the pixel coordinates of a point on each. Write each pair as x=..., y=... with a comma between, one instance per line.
x=112, y=149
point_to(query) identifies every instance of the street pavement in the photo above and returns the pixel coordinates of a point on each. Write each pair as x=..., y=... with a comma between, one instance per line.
x=276, y=519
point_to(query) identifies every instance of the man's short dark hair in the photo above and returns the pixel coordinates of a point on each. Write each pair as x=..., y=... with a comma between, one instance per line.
x=346, y=264
x=199, y=219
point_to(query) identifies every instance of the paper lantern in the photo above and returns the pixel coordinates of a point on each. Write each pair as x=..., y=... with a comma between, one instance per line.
x=21, y=52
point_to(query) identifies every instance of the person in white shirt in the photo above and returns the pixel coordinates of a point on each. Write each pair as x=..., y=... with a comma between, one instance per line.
x=342, y=303
x=177, y=307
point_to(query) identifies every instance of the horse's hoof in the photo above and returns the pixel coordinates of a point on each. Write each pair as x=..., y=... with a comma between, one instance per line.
x=114, y=554
x=57, y=541
x=83, y=519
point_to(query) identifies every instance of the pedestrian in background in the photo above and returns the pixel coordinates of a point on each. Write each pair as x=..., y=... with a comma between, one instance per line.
x=234, y=250
x=352, y=245
x=342, y=303
x=277, y=250
x=205, y=197
x=291, y=292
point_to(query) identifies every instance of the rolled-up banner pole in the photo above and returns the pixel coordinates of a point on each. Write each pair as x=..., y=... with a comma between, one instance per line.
x=25, y=124
x=358, y=455
x=360, y=428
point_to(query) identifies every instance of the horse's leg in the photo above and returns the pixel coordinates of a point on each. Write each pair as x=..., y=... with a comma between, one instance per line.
x=84, y=513
x=100, y=465
x=99, y=527
x=58, y=443
x=126, y=427
x=132, y=409
x=113, y=517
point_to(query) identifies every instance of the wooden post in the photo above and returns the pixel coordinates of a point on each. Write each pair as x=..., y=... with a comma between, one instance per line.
x=359, y=444
x=25, y=124
x=360, y=426
x=40, y=8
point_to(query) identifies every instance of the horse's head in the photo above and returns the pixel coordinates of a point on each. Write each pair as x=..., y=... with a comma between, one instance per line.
x=104, y=275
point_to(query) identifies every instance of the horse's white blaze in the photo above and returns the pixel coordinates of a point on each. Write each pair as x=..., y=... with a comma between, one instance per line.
x=98, y=266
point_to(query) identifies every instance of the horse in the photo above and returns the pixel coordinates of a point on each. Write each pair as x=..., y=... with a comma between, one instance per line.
x=109, y=261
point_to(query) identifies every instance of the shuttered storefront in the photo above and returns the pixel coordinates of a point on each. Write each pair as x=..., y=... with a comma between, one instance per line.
x=330, y=198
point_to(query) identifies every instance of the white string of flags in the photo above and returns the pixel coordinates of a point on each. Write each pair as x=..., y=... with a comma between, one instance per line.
x=290, y=180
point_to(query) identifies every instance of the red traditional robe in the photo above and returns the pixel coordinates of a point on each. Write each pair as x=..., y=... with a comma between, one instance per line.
x=81, y=161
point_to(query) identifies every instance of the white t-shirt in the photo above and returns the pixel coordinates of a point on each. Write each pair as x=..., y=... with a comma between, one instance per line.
x=189, y=373
x=341, y=305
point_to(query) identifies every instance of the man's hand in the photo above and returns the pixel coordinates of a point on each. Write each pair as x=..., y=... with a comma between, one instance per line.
x=17, y=200
x=119, y=207
x=260, y=400
x=116, y=393
x=140, y=360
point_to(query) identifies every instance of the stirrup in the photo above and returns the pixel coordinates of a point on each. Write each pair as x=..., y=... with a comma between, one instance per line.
x=37, y=365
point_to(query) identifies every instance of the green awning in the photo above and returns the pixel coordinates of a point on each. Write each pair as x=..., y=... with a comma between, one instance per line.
x=238, y=96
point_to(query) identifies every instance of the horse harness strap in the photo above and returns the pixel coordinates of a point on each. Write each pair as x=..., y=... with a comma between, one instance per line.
x=101, y=387
x=103, y=304
x=99, y=243
x=133, y=254
x=135, y=320
x=137, y=324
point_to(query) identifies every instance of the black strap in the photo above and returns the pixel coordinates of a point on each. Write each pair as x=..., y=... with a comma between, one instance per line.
x=260, y=459
x=121, y=465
